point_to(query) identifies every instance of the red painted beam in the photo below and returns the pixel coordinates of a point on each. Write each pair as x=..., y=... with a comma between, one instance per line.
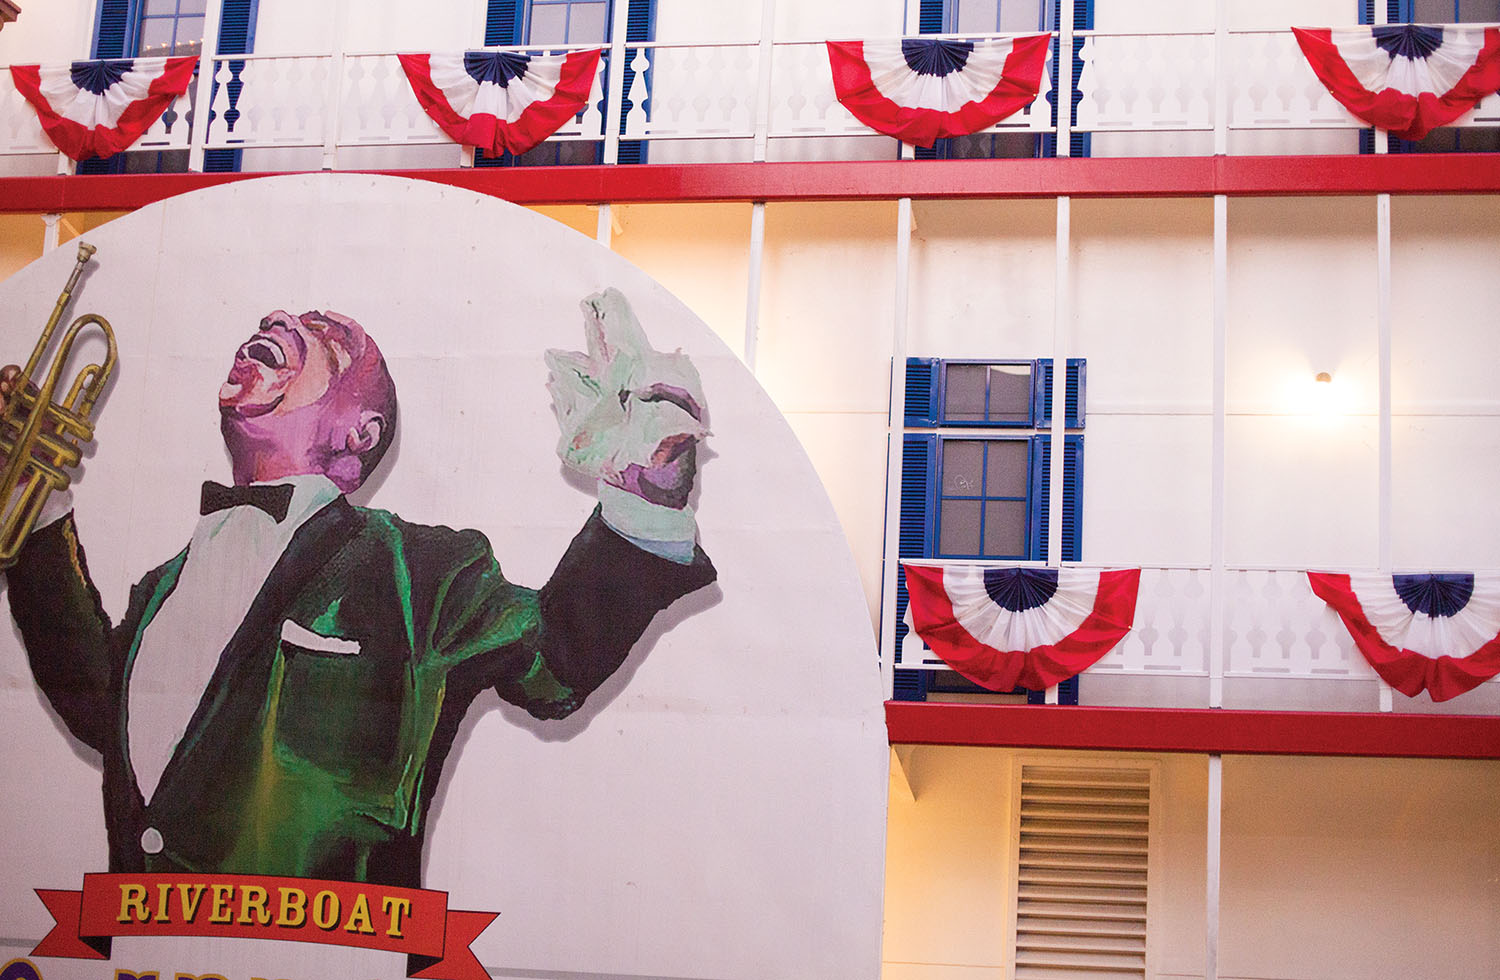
x=1195, y=730
x=1466, y=173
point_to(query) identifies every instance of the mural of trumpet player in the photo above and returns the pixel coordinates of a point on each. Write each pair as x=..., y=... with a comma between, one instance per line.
x=331, y=651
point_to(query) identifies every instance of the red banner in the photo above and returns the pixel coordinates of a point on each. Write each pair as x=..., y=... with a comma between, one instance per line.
x=413, y=921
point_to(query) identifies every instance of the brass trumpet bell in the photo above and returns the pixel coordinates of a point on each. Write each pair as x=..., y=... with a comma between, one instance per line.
x=41, y=439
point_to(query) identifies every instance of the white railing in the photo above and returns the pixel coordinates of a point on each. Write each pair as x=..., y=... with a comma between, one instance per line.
x=1274, y=628
x=1129, y=83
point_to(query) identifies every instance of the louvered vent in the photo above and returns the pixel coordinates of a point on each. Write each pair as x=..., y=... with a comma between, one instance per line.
x=1081, y=877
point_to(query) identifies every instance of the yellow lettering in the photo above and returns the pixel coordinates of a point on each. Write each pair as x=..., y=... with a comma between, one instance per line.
x=395, y=908
x=191, y=895
x=253, y=897
x=325, y=910
x=133, y=904
x=206, y=976
x=163, y=902
x=359, y=917
x=127, y=975
x=293, y=907
x=221, y=912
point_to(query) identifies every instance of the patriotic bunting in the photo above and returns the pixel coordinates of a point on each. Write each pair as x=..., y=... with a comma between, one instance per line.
x=1004, y=628
x=920, y=89
x=98, y=108
x=1405, y=78
x=501, y=101
x=1439, y=632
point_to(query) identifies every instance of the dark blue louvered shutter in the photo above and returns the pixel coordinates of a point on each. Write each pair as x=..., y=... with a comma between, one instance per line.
x=640, y=25
x=502, y=23
x=1041, y=405
x=114, y=32
x=1041, y=497
x=236, y=36
x=921, y=407
x=918, y=485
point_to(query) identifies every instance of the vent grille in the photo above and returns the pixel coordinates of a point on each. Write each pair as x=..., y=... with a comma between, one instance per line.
x=1081, y=873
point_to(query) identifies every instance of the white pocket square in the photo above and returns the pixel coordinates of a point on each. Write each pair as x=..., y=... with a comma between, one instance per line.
x=308, y=640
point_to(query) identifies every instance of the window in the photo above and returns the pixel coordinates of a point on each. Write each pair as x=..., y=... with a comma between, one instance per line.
x=543, y=22
x=977, y=484
x=1446, y=139
x=157, y=28
x=978, y=17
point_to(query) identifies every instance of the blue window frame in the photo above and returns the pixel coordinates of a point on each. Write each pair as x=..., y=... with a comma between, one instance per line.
x=515, y=22
x=1446, y=139
x=146, y=28
x=977, y=488
x=1006, y=16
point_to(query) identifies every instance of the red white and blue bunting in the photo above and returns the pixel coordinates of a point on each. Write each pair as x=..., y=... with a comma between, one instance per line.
x=501, y=101
x=919, y=89
x=1004, y=628
x=1405, y=78
x=98, y=108
x=1438, y=632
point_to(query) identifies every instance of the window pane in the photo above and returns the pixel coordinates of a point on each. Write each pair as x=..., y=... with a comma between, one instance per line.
x=191, y=6
x=156, y=37
x=963, y=396
x=588, y=23
x=1006, y=467
x=962, y=465
x=155, y=8
x=976, y=17
x=1005, y=529
x=958, y=522
x=189, y=35
x=1020, y=16
x=549, y=24
x=1010, y=393
x=1479, y=11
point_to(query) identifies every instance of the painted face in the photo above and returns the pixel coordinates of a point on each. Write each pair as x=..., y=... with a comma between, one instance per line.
x=289, y=363
x=305, y=394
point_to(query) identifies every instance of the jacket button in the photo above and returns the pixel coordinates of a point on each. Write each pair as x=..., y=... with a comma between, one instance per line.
x=151, y=841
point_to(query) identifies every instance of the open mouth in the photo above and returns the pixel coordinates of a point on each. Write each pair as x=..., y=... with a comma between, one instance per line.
x=265, y=350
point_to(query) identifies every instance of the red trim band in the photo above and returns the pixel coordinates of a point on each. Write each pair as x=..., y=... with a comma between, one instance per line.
x=1217, y=730
x=872, y=180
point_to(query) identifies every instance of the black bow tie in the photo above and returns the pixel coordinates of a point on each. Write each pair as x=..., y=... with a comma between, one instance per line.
x=274, y=500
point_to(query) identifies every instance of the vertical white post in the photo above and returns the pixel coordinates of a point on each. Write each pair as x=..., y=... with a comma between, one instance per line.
x=752, y=288
x=1383, y=329
x=1221, y=77
x=1061, y=323
x=763, y=81
x=614, y=107
x=1214, y=865
x=203, y=93
x=1064, y=77
x=896, y=420
x=50, y=233
x=332, y=103
x=1216, y=574
x=605, y=227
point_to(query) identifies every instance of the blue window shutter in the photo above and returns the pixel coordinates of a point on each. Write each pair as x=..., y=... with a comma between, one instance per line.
x=502, y=23
x=640, y=25
x=111, y=31
x=236, y=36
x=918, y=483
x=921, y=391
x=1041, y=405
x=931, y=17
x=1083, y=20
x=1041, y=497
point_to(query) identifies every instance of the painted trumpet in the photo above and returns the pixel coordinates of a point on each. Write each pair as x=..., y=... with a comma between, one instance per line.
x=40, y=439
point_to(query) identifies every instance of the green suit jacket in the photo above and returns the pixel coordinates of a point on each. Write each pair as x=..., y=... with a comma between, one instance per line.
x=317, y=745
